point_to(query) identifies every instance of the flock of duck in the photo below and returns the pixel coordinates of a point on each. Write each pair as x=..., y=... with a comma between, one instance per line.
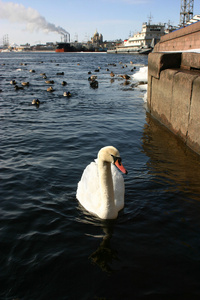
x=101, y=188
x=92, y=81
x=37, y=102
x=93, y=78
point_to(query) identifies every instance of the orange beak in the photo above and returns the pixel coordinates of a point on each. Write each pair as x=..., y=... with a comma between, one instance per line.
x=121, y=167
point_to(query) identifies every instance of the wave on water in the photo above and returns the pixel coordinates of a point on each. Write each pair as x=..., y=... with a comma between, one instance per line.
x=51, y=248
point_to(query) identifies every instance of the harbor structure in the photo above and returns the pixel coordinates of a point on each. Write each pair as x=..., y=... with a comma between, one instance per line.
x=174, y=84
x=183, y=39
x=141, y=41
x=95, y=44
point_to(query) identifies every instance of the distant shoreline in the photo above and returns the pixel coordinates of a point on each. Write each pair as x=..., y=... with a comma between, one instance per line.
x=52, y=51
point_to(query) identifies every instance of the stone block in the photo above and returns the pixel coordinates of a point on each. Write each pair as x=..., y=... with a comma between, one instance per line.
x=180, y=108
x=190, y=60
x=161, y=96
x=158, y=62
x=149, y=89
x=193, y=136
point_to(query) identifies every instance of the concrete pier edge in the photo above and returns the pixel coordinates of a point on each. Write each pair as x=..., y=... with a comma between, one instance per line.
x=173, y=95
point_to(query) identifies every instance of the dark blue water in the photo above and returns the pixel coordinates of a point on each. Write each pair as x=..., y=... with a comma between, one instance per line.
x=50, y=248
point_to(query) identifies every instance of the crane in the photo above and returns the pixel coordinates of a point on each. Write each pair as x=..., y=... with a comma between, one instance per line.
x=186, y=12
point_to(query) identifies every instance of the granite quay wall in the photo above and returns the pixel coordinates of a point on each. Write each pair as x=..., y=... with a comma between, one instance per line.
x=183, y=39
x=174, y=94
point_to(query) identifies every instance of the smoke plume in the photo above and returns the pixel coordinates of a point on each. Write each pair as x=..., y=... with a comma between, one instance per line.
x=18, y=13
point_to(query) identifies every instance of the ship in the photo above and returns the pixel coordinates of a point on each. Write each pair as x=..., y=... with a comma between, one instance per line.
x=64, y=47
x=141, y=42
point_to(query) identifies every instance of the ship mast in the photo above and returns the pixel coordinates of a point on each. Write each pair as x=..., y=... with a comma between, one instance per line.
x=150, y=17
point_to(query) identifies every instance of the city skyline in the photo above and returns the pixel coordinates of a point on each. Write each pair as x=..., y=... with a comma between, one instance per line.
x=41, y=21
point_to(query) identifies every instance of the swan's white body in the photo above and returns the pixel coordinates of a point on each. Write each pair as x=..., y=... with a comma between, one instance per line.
x=101, y=188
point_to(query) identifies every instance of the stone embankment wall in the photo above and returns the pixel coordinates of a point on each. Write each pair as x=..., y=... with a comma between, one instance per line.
x=174, y=94
x=186, y=38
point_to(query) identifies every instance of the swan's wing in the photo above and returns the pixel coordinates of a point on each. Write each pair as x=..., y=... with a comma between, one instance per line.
x=118, y=185
x=88, y=192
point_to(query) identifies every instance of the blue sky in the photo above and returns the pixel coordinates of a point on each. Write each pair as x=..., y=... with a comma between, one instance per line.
x=114, y=19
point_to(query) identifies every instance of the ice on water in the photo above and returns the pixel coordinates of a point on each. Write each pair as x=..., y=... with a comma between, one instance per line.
x=142, y=76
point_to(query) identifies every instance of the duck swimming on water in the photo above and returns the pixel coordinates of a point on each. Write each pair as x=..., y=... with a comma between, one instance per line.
x=67, y=94
x=13, y=82
x=36, y=102
x=50, y=89
x=25, y=83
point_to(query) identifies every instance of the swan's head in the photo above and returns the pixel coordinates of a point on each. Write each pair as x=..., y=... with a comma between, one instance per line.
x=111, y=155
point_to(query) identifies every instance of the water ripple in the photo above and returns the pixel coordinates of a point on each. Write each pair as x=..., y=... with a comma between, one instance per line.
x=51, y=248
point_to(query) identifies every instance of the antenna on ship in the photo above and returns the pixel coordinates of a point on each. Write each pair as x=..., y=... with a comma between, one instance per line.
x=186, y=12
x=150, y=17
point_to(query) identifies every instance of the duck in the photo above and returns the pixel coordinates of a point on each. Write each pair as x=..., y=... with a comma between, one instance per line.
x=92, y=77
x=49, y=81
x=67, y=94
x=50, y=89
x=125, y=76
x=112, y=74
x=13, y=82
x=101, y=188
x=64, y=83
x=36, y=102
x=25, y=83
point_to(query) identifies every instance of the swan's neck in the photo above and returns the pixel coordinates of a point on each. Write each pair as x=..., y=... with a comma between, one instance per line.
x=108, y=207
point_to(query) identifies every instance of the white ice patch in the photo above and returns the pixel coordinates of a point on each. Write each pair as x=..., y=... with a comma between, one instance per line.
x=141, y=77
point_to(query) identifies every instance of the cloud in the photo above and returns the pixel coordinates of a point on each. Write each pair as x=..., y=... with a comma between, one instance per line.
x=18, y=13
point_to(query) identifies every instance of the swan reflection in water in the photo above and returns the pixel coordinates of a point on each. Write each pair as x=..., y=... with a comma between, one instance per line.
x=105, y=254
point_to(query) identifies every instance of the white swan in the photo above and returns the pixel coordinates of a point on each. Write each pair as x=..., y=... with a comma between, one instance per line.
x=101, y=188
